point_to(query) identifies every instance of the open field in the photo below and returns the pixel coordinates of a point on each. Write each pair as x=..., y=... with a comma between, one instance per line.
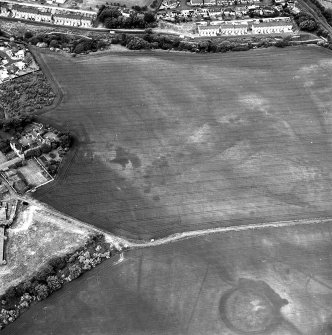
x=272, y=281
x=169, y=142
x=34, y=239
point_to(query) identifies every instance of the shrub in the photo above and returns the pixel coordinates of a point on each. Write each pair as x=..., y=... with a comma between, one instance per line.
x=75, y=271
x=41, y=291
x=53, y=283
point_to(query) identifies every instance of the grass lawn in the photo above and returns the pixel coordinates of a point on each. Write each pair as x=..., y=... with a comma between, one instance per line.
x=178, y=289
x=33, y=173
x=169, y=142
x=34, y=238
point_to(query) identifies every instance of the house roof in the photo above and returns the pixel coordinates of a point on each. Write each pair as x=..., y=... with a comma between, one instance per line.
x=272, y=24
x=27, y=10
x=233, y=26
x=208, y=27
x=67, y=16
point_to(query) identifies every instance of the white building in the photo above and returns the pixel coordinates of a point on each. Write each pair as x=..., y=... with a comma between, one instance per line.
x=208, y=30
x=86, y=21
x=272, y=27
x=67, y=20
x=234, y=29
x=45, y=17
x=4, y=10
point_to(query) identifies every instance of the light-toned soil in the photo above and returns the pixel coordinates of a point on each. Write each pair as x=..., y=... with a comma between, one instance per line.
x=35, y=238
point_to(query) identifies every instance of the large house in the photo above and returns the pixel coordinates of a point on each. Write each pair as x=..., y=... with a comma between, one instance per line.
x=272, y=27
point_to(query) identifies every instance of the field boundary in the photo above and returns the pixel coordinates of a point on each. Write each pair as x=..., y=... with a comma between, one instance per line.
x=59, y=94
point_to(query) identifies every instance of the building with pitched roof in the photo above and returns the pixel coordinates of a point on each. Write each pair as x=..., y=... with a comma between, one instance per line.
x=208, y=30
x=272, y=27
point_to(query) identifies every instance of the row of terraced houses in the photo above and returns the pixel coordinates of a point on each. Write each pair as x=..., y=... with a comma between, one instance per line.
x=36, y=14
x=244, y=28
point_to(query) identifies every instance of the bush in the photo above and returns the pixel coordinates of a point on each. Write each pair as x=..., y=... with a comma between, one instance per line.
x=138, y=43
x=53, y=283
x=75, y=271
x=28, y=34
x=41, y=291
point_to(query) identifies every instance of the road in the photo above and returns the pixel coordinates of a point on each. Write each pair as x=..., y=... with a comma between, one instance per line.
x=7, y=164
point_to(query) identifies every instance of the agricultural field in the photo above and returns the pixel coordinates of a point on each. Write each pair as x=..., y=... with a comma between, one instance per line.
x=170, y=142
x=274, y=281
x=36, y=237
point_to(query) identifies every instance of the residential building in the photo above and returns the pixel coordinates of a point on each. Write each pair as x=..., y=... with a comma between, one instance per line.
x=208, y=30
x=272, y=27
x=209, y=2
x=4, y=10
x=196, y=2
x=234, y=29
x=86, y=21
x=67, y=20
x=215, y=11
x=45, y=16
x=25, y=13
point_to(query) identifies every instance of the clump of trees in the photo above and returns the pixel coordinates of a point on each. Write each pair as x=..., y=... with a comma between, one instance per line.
x=69, y=43
x=306, y=22
x=35, y=89
x=52, y=277
x=112, y=18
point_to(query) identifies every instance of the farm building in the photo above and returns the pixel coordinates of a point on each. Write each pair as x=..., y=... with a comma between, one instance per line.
x=272, y=27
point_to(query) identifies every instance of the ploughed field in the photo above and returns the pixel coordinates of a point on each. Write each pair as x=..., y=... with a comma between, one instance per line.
x=270, y=281
x=169, y=142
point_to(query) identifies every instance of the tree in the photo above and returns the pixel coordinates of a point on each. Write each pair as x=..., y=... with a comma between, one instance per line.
x=54, y=44
x=138, y=43
x=45, y=148
x=75, y=271
x=149, y=17
x=308, y=25
x=28, y=35
x=53, y=283
x=41, y=291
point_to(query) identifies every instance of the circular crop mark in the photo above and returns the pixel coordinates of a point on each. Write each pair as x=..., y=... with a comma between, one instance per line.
x=251, y=308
